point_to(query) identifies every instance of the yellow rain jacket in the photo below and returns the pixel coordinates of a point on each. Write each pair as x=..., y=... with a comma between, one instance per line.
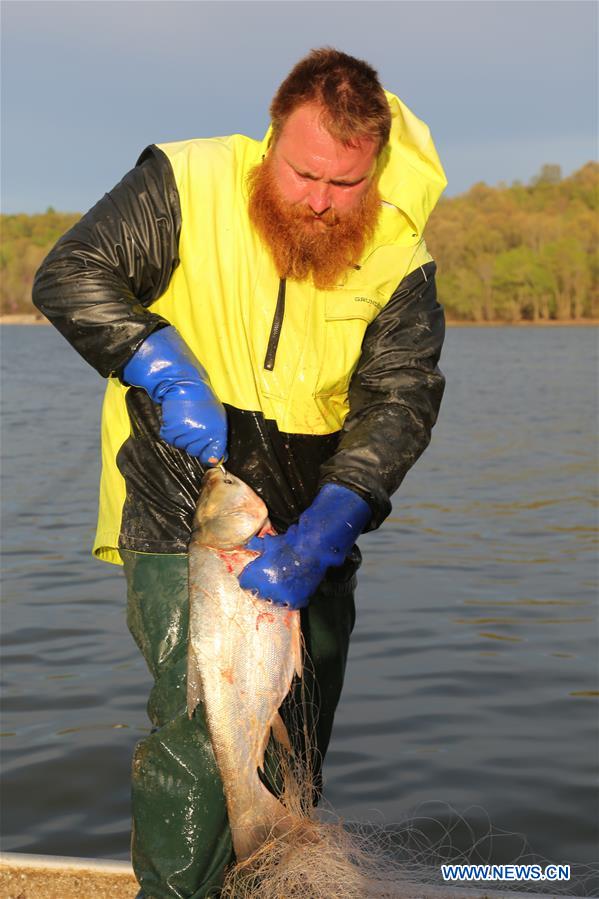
x=175, y=235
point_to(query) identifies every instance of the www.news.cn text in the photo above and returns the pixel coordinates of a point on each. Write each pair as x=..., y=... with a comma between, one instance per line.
x=505, y=872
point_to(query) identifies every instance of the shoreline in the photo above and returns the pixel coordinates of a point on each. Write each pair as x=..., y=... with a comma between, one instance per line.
x=540, y=323
x=31, y=319
x=23, y=319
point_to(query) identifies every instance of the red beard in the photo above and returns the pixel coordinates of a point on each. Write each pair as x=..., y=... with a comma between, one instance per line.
x=303, y=244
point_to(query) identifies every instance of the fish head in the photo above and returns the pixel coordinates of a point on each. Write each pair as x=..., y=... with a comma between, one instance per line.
x=228, y=511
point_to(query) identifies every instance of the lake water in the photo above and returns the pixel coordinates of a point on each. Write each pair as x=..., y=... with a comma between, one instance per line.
x=471, y=700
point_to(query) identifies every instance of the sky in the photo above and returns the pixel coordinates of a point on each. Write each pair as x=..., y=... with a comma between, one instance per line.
x=504, y=86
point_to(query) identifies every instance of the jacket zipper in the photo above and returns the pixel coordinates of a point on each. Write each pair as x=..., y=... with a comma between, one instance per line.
x=275, y=331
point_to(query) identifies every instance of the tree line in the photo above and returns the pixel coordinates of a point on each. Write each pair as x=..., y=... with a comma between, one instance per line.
x=520, y=253
x=507, y=253
x=25, y=240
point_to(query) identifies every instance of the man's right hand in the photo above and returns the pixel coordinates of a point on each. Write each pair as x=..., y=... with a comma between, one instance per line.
x=193, y=418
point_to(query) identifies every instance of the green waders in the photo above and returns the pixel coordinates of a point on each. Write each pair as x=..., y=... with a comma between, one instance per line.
x=181, y=841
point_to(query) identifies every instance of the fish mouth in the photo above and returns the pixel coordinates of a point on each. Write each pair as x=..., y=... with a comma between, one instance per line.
x=218, y=472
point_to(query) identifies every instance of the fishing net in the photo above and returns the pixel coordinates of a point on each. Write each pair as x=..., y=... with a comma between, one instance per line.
x=313, y=855
x=318, y=855
x=327, y=858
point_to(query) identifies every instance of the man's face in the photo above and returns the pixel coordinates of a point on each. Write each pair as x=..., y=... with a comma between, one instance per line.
x=314, y=201
x=314, y=171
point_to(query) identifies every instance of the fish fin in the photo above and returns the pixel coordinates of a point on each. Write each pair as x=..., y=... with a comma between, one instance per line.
x=296, y=649
x=261, y=750
x=267, y=528
x=195, y=689
x=280, y=733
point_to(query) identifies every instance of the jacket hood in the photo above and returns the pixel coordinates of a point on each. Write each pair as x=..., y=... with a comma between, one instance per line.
x=411, y=175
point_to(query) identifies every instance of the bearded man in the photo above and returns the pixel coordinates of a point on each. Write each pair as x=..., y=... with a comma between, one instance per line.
x=273, y=304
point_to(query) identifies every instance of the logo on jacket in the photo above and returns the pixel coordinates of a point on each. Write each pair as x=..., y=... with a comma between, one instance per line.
x=369, y=301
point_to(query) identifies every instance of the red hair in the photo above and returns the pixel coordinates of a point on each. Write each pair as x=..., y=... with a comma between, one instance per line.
x=348, y=90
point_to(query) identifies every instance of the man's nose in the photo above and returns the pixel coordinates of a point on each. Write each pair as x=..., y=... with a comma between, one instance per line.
x=319, y=198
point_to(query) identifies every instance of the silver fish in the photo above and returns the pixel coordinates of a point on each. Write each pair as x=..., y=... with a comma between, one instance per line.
x=243, y=653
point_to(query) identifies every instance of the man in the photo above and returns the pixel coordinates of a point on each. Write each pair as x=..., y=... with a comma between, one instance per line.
x=272, y=304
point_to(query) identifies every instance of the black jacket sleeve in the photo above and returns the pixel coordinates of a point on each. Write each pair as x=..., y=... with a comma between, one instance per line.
x=394, y=395
x=95, y=283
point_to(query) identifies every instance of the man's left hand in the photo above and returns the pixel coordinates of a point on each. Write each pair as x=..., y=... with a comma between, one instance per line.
x=292, y=565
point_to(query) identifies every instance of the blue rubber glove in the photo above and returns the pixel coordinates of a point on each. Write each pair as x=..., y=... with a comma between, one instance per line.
x=193, y=418
x=292, y=565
